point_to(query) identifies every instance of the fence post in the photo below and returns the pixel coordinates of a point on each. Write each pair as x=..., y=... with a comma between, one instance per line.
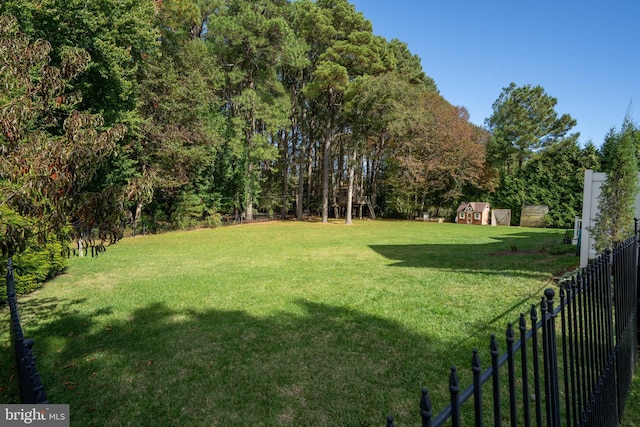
x=533, y=314
x=495, y=366
x=425, y=408
x=550, y=360
x=525, y=370
x=476, y=367
x=454, y=389
x=637, y=284
x=511, y=368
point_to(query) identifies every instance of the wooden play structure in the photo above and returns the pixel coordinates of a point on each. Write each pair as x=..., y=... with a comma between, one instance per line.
x=359, y=201
x=476, y=213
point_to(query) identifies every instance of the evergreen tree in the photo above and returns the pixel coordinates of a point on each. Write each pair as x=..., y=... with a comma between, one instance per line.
x=523, y=121
x=614, y=221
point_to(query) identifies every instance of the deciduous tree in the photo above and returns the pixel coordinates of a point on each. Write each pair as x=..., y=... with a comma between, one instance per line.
x=438, y=156
x=51, y=150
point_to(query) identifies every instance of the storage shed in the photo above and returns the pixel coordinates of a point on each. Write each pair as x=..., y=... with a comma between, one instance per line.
x=501, y=217
x=476, y=213
x=533, y=216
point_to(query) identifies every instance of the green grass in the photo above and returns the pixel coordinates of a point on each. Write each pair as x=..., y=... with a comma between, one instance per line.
x=285, y=323
x=631, y=416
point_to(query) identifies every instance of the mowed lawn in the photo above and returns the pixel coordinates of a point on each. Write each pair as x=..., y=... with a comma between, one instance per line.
x=279, y=324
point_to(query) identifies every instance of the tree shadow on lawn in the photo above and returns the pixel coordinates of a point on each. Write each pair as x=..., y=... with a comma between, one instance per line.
x=163, y=366
x=27, y=308
x=494, y=259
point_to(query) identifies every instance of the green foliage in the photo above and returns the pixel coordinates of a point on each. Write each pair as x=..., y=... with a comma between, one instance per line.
x=242, y=103
x=51, y=150
x=438, y=155
x=117, y=34
x=523, y=121
x=553, y=177
x=189, y=209
x=614, y=221
x=35, y=265
x=409, y=66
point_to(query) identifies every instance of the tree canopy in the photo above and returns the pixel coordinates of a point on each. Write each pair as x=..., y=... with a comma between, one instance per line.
x=167, y=114
x=51, y=150
x=524, y=120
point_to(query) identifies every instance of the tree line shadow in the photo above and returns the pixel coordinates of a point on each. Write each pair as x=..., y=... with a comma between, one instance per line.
x=165, y=366
x=323, y=365
x=521, y=255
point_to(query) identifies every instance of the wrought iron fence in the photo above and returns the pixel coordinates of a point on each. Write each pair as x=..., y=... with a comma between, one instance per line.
x=572, y=365
x=30, y=384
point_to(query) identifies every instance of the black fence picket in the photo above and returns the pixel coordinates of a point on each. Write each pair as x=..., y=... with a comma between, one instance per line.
x=588, y=334
x=31, y=387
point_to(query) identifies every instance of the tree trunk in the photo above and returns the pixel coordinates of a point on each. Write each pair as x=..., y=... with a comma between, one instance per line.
x=376, y=171
x=285, y=173
x=249, y=214
x=325, y=172
x=310, y=162
x=249, y=199
x=352, y=171
x=300, y=192
x=136, y=217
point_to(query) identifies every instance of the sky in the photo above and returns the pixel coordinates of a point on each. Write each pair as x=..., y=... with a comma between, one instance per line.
x=586, y=53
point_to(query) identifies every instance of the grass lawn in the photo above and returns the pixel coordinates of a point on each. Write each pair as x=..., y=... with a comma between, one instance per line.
x=283, y=323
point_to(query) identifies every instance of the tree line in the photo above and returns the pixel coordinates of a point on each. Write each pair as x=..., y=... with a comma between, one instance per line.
x=171, y=113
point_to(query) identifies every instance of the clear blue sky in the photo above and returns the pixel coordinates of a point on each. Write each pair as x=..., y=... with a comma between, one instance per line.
x=584, y=53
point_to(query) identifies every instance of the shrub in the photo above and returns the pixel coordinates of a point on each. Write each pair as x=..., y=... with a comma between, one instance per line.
x=34, y=266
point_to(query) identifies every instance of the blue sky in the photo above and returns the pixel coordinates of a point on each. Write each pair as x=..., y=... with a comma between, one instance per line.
x=584, y=53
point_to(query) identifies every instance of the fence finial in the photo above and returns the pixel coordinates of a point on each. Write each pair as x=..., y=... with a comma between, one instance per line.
x=11, y=282
x=511, y=335
x=390, y=421
x=426, y=408
x=549, y=293
x=493, y=346
x=454, y=381
x=476, y=366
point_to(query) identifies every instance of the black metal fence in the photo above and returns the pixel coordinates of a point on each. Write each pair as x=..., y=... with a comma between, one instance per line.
x=571, y=365
x=31, y=388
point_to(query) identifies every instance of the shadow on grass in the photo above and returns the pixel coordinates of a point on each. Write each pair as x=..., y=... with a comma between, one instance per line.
x=162, y=366
x=39, y=307
x=520, y=255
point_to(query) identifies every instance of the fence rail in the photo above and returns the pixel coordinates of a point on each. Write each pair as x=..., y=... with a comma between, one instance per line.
x=31, y=387
x=572, y=366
